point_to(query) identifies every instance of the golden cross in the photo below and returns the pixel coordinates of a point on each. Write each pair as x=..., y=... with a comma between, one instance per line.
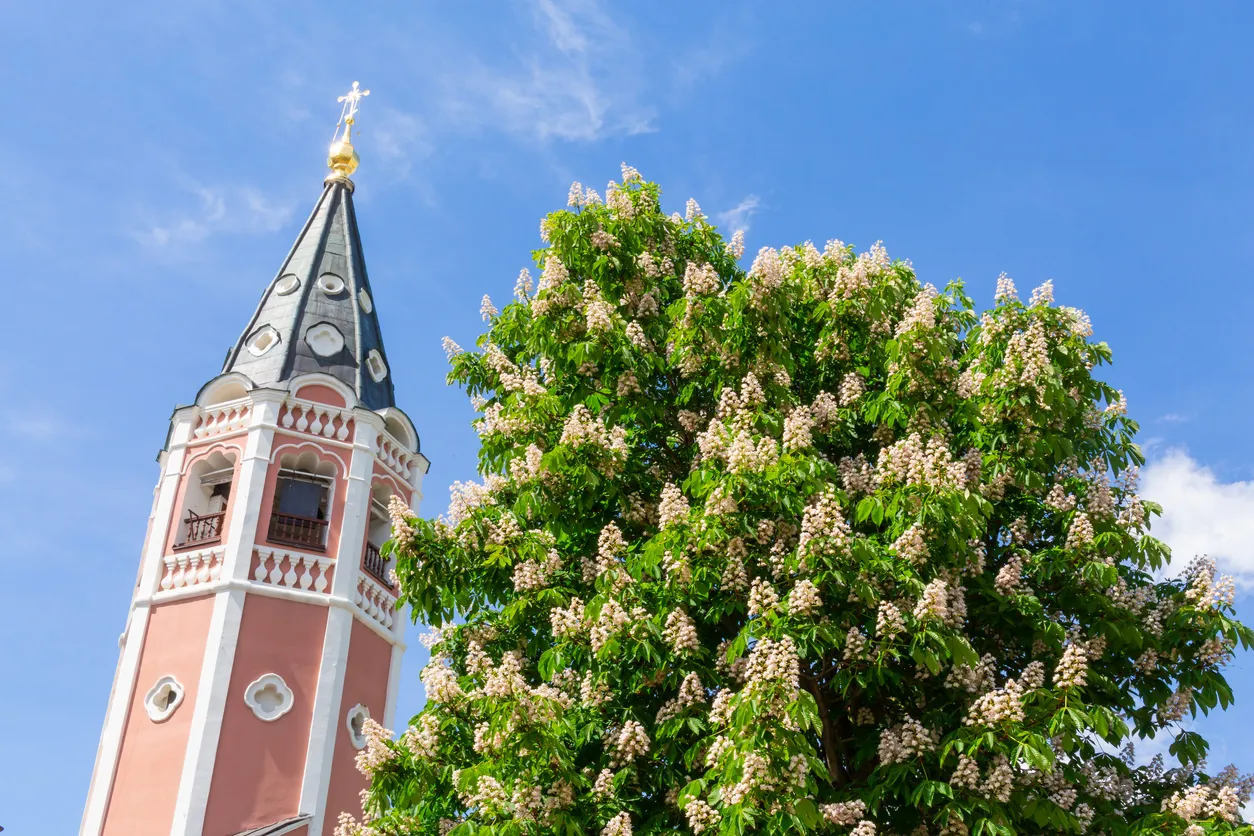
x=348, y=110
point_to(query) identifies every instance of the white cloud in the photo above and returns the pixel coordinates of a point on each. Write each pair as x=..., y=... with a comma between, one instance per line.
x=232, y=209
x=582, y=84
x=1201, y=515
x=738, y=216
x=1174, y=418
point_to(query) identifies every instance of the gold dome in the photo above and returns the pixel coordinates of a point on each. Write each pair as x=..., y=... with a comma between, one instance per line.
x=342, y=158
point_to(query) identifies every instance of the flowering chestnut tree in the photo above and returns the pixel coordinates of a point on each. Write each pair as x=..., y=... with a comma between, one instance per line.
x=811, y=547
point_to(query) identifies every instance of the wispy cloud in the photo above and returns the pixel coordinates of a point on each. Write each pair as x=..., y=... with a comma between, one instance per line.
x=1174, y=418
x=738, y=216
x=1201, y=514
x=583, y=84
x=218, y=209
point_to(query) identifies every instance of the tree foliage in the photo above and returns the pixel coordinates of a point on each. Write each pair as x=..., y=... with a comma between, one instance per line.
x=807, y=547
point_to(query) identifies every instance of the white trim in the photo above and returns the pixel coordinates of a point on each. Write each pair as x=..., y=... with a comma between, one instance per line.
x=115, y=723
x=152, y=567
x=288, y=594
x=394, y=678
x=323, y=725
x=159, y=714
x=211, y=694
x=358, y=739
x=261, y=683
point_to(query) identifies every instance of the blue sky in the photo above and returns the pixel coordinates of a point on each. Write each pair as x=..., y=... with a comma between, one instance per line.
x=159, y=157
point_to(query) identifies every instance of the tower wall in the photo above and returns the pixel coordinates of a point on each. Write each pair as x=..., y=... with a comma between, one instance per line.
x=252, y=779
x=143, y=798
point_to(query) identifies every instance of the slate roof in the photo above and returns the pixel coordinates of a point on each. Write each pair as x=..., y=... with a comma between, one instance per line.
x=278, y=827
x=329, y=243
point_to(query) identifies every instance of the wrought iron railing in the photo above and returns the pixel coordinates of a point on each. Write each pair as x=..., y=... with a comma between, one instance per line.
x=202, y=529
x=376, y=565
x=292, y=530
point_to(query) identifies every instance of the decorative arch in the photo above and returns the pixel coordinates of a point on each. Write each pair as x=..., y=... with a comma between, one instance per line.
x=322, y=454
x=225, y=448
x=320, y=379
x=401, y=428
x=225, y=387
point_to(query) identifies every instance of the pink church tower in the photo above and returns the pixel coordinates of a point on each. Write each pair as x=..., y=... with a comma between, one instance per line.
x=264, y=627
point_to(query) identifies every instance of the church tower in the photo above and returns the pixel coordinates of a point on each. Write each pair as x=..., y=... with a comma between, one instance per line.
x=264, y=627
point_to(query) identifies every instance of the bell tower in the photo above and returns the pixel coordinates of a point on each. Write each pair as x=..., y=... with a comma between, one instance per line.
x=264, y=626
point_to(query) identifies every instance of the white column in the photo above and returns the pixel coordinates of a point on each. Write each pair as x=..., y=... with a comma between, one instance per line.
x=132, y=641
x=394, y=679
x=211, y=696
x=327, y=715
x=246, y=496
x=328, y=700
x=228, y=609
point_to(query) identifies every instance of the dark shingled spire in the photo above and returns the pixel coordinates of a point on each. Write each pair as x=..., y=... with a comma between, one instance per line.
x=320, y=297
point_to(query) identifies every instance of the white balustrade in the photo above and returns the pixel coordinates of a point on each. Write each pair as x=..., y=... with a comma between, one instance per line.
x=216, y=420
x=293, y=570
x=376, y=602
x=393, y=454
x=191, y=568
x=316, y=419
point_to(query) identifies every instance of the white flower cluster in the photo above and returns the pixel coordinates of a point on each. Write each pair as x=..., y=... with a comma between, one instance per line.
x=844, y=813
x=701, y=280
x=400, y=513
x=535, y=574
x=1205, y=802
x=440, y=681
x=514, y=378
x=466, y=497
x=851, y=389
x=691, y=692
x=1204, y=591
x=856, y=475
x=804, y=599
x=1081, y=532
x=673, y=507
x=934, y=602
x=583, y=429
x=423, y=740
x=701, y=816
x=681, y=633
x=376, y=754
x=1073, y=668
x=910, y=461
x=567, y=622
x=922, y=312
x=1000, y=705
x=549, y=294
x=1010, y=576
x=629, y=743
x=762, y=597
x=774, y=662
x=610, y=622
x=798, y=429
x=974, y=680
x=905, y=741
x=823, y=527
x=911, y=545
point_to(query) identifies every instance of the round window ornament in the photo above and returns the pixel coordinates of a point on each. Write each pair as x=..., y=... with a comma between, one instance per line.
x=363, y=298
x=355, y=722
x=262, y=340
x=325, y=339
x=287, y=284
x=331, y=284
x=375, y=365
x=162, y=698
x=269, y=697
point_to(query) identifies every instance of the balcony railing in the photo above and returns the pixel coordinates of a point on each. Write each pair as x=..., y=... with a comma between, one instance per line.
x=292, y=530
x=202, y=529
x=376, y=565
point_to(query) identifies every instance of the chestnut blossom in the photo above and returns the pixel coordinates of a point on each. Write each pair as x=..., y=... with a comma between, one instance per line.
x=804, y=599
x=673, y=507
x=701, y=816
x=681, y=633
x=736, y=247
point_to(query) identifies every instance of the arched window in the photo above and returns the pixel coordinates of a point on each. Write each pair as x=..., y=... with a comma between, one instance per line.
x=378, y=533
x=302, y=501
x=205, y=500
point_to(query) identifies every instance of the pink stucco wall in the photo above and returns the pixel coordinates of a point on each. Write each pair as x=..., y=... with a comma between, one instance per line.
x=365, y=682
x=259, y=766
x=142, y=799
x=321, y=394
